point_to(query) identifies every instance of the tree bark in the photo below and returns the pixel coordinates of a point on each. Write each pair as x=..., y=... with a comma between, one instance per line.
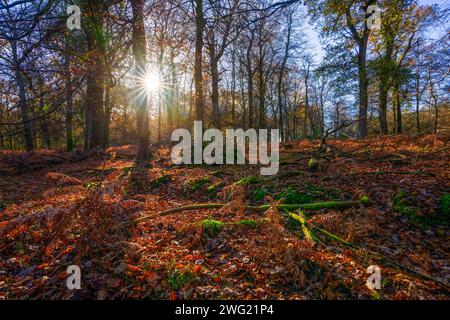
x=398, y=106
x=250, y=82
x=281, y=76
x=363, y=87
x=28, y=131
x=139, y=45
x=95, y=77
x=199, y=27
x=69, y=103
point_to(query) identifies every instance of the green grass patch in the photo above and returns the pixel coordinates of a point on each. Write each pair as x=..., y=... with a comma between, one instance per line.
x=178, y=278
x=403, y=206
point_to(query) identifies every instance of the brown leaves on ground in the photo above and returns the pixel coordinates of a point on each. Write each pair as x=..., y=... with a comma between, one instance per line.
x=66, y=213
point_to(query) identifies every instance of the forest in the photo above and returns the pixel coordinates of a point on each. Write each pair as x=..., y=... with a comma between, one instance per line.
x=352, y=94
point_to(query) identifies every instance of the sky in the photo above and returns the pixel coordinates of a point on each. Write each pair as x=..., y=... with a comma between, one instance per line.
x=318, y=50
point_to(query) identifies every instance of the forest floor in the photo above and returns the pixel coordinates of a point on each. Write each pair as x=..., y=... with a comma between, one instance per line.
x=81, y=213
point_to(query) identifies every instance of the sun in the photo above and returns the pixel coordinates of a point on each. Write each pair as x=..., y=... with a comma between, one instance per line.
x=152, y=82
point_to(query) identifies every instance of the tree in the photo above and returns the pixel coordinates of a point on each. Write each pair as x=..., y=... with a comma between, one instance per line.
x=140, y=54
x=198, y=64
x=349, y=19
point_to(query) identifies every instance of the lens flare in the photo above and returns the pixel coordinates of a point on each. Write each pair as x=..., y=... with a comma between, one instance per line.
x=152, y=82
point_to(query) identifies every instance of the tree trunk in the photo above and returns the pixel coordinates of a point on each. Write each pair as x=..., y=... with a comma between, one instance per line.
x=250, y=82
x=199, y=26
x=28, y=131
x=172, y=109
x=139, y=45
x=363, y=88
x=398, y=105
x=233, y=88
x=69, y=103
x=418, y=101
x=214, y=88
x=96, y=76
x=108, y=108
x=281, y=76
x=383, y=108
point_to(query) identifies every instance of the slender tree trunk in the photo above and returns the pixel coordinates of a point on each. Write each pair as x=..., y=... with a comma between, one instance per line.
x=139, y=45
x=199, y=27
x=383, y=108
x=398, y=105
x=250, y=82
x=363, y=88
x=171, y=107
x=435, y=106
x=418, y=101
x=215, y=88
x=261, y=90
x=233, y=88
x=46, y=140
x=69, y=103
x=108, y=108
x=23, y=105
x=281, y=77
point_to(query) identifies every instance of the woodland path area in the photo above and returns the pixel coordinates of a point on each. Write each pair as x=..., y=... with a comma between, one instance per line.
x=386, y=203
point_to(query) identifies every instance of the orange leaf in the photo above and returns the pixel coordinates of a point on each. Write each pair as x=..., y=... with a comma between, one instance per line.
x=197, y=268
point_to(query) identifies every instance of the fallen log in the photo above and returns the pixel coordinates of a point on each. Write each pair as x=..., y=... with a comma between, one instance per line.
x=378, y=257
x=206, y=206
x=425, y=173
x=300, y=218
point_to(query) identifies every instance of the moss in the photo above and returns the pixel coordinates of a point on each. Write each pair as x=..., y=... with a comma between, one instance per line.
x=197, y=184
x=247, y=223
x=444, y=205
x=249, y=180
x=212, y=227
x=213, y=189
x=291, y=196
x=319, y=192
x=258, y=195
x=402, y=205
x=364, y=199
x=177, y=279
x=160, y=181
x=313, y=165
